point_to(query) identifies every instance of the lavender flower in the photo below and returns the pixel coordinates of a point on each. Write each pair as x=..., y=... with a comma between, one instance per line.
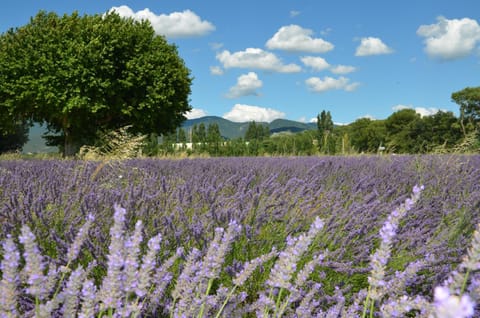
x=250, y=266
x=471, y=261
x=451, y=306
x=79, y=239
x=335, y=310
x=8, y=284
x=286, y=265
x=218, y=249
x=308, y=303
x=213, y=261
x=380, y=258
x=163, y=277
x=110, y=292
x=88, y=297
x=71, y=292
x=186, y=282
x=148, y=266
x=34, y=265
x=396, y=286
x=132, y=252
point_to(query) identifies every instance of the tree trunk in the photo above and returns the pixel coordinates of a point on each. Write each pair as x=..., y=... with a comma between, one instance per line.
x=70, y=146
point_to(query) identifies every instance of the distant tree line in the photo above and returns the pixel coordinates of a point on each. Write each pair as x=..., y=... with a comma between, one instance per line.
x=403, y=132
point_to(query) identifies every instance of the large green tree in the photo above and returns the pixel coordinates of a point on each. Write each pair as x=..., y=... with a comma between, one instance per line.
x=367, y=135
x=403, y=130
x=81, y=74
x=469, y=101
x=441, y=129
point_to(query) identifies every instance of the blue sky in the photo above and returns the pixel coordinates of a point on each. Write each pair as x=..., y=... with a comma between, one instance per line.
x=262, y=60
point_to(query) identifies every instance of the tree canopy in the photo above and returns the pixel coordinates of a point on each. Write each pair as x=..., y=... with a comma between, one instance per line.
x=81, y=74
x=13, y=140
x=326, y=142
x=469, y=101
x=256, y=131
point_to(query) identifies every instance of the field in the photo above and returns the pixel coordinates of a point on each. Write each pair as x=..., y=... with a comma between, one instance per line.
x=295, y=237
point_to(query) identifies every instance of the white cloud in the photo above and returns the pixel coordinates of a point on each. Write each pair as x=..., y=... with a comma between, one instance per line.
x=257, y=59
x=294, y=38
x=216, y=46
x=422, y=111
x=426, y=111
x=243, y=113
x=368, y=116
x=195, y=113
x=294, y=13
x=319, y=85
x=216, y=70
x=174, y=25
x=450, y=39
x=304, y=119
x=315, y=62
x=326, y=31
x=342, y=69
x=247, y=84
x=372, y=46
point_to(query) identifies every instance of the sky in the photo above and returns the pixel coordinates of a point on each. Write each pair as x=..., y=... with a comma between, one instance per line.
x=263, y=60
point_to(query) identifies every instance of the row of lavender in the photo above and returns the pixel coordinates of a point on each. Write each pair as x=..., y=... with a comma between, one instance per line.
x=272, y=198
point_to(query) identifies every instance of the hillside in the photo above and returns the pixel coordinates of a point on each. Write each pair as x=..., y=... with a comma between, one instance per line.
x=230, y=129
x=281, y=125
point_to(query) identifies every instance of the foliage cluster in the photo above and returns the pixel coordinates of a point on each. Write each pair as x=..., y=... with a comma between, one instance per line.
x=15, y=139
x=272, y=199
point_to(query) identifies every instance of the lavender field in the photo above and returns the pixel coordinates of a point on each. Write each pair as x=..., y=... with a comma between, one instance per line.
x=271, y=237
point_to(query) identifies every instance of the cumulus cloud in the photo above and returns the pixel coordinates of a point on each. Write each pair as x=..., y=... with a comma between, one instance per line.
x=372, y=46
x=257, y=59
x=302, y=119
x=247, y=84
x=450, y=39
x=243, y=113
x=342, y=69
x=320, y=64
x=216, y=70
x=195, y=113
x=175, y=25
x=422, y=111
x=315, y=62
x=319, y=85
x=294, y=38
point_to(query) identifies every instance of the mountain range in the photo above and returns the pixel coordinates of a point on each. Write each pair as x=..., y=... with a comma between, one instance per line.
x=228, y=129
x=231, y=130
